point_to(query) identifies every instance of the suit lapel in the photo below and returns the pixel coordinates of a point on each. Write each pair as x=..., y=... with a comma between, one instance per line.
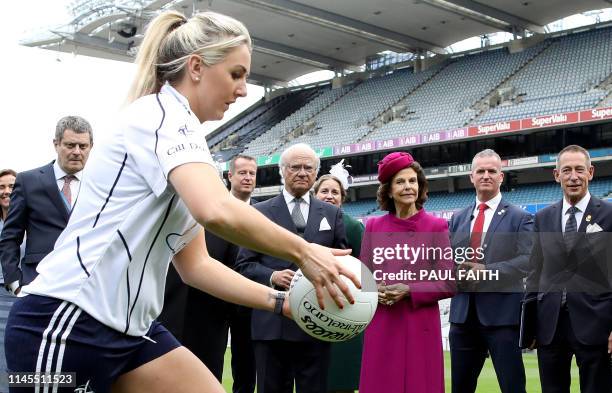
x=556, y=233
x=498, y=216
x=280, y=212
x=47, y=178
x=557, y=212
x=591, y=212
x=315, y=215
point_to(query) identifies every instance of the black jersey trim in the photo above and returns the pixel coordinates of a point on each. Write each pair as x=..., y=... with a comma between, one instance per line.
x=144, y=265
x=161, y=123
x=110, y=193
x=79, y=256
x=127, y=276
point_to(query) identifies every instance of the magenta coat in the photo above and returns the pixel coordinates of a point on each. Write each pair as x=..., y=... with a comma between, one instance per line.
x=402, y=350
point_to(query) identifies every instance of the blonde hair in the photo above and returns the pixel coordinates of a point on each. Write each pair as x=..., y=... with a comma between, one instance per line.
x=171, y=38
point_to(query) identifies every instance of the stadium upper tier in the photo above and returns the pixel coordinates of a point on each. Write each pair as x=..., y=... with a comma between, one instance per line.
x=560, y=74
x=563, y=78
x=522, y=195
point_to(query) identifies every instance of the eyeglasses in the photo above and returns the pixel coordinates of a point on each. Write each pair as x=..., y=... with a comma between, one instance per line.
x=309, y=169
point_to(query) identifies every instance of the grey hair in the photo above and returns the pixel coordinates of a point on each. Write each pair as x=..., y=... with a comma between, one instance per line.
x=298, y=146
x=574, y=149
x=486, y=153
x=74, y=123
x=171, y=39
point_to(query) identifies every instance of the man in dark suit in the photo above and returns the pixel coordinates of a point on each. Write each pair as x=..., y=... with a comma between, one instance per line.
x=570, y=277
x=7, y=182
x=41, y=203
x=201, y=321
x=485, y=317
x=283, y=352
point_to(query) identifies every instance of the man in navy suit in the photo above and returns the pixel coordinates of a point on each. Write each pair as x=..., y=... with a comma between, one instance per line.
x=41, y=203
x=201, y=321
x=485, y=318
x=277, y=340
x=570, y=277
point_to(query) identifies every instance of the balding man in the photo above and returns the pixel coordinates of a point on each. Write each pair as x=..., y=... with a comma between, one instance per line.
x=276, y=339
x=485, y=320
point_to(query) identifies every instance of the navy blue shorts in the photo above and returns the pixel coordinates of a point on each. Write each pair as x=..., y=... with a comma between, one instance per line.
x=49, y=335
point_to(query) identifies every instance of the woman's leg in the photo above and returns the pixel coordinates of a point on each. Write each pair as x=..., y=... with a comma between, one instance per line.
x=178, y=371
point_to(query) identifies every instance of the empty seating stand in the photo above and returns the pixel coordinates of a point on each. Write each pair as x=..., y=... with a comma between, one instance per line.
x=560, y=74
x=522, y=195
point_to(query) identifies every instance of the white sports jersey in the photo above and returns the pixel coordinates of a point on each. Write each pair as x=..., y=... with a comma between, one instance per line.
x=112, y=258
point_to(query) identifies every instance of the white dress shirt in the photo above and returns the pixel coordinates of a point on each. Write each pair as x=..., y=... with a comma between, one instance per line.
x=75, y=184
x=304, y=206
x=581, y=205
x=248, y=201
x=492, y=203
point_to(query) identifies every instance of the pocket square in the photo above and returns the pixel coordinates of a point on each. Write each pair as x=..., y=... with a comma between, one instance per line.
x=324, y=226
x=592, y=228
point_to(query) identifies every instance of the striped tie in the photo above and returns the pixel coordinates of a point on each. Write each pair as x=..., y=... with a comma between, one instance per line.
x=570, y=235
x=66, y=188
x=296, y=215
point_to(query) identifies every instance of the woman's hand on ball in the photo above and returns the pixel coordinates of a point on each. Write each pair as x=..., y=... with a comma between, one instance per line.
x=323, y=270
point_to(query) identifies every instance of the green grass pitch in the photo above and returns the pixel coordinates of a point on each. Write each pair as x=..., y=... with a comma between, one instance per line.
x=487, y=383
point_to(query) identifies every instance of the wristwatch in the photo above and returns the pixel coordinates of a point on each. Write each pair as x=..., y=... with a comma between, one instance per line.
x=280, y=299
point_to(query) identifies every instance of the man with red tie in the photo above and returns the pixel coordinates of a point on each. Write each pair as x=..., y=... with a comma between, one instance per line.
x=485, y=315
x=41, y=203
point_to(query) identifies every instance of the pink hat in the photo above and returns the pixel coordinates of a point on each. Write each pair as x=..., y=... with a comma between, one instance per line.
x=393, y=163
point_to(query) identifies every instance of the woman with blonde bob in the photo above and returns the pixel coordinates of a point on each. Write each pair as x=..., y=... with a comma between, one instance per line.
x=146, y=196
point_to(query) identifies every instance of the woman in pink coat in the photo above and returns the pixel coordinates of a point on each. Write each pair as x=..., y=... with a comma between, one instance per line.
x=408, y=250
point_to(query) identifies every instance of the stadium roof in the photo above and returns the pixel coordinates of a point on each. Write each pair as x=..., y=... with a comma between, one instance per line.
x=295, y=37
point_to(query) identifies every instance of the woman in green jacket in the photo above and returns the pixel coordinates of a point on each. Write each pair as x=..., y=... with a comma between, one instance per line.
x=345, y=362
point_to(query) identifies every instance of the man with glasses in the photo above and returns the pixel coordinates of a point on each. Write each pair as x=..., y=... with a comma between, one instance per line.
x=277, y=340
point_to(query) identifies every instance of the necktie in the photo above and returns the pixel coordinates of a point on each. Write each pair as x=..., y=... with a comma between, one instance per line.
x=476, y=237
x=66, y=188
x=571, y=230
x=571, y=226
x=296, y=215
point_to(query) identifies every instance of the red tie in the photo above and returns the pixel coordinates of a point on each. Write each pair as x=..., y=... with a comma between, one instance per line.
x=66, y=188
x=476, y=237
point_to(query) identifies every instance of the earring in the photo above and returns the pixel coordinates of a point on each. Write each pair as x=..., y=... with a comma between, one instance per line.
x=197, y=78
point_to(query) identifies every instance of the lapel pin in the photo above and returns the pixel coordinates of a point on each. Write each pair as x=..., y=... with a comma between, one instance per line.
x=588, y=218
x=502, y=211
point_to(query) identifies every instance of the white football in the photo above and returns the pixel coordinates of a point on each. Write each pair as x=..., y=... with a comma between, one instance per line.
x=334, y=324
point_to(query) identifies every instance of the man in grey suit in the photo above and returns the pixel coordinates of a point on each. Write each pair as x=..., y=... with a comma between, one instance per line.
x=41, y=203
x=277, y=340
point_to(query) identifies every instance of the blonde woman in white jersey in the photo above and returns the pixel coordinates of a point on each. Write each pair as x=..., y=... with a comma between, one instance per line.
x=146, y=195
